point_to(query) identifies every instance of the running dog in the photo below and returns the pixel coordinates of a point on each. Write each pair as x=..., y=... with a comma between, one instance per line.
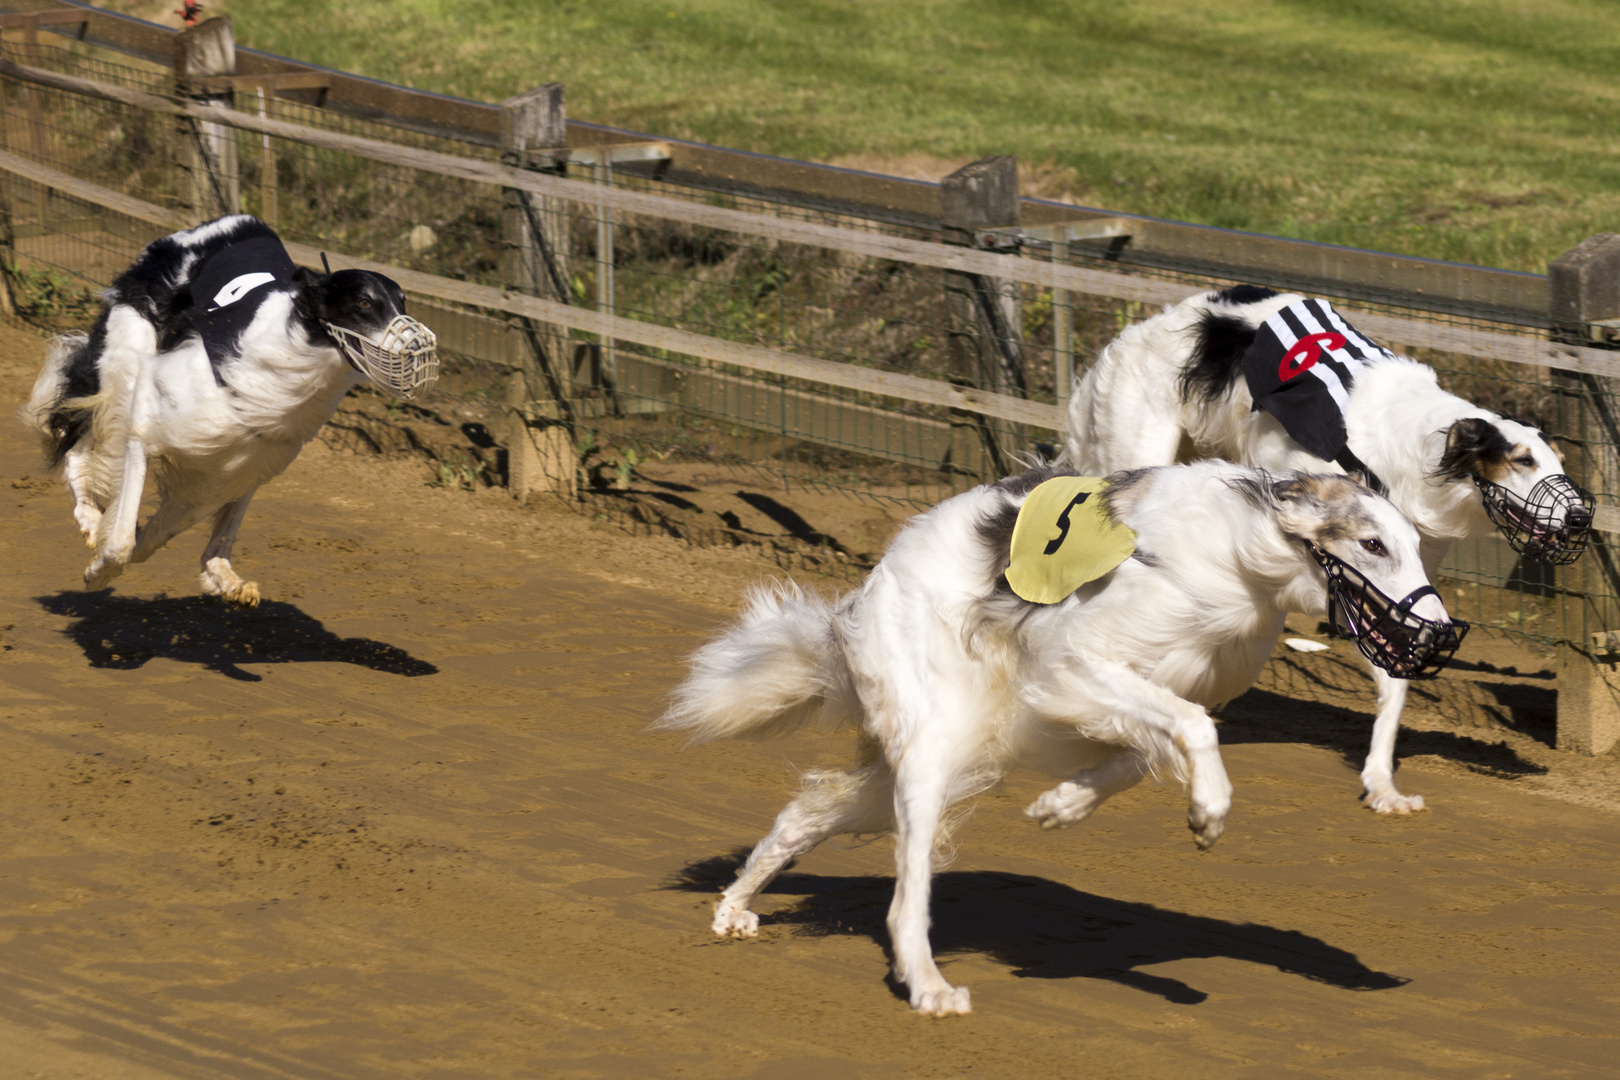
x=213, y=362
x=1280, y=382
x=951, y=677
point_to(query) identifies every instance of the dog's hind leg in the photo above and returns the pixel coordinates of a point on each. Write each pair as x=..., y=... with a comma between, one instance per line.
x=832, y=803
x=86, y=510
x=1074, y=800
x=1378, y=774
x=115, y=540
x=217, y=578
x=923, y=783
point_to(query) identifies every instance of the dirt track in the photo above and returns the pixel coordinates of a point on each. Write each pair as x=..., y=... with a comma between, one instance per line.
x=404, y=820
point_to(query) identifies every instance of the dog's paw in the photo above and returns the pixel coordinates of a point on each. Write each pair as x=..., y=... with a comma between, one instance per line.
x=1206, y=827
x=246, y=595
x=89, y=519
x=1067, y=804
x=1389, y=801
x=100, y=573
x=731, y=921
x=945, y=1001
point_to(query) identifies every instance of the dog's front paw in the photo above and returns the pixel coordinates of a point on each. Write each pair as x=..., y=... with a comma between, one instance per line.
x=731, y=921
x=943, y=1001
x=1205, y=829
x=1067, y=804
x=101, y=571
x=1387, y=800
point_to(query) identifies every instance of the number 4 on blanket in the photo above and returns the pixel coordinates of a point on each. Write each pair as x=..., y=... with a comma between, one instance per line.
x=1064, y=538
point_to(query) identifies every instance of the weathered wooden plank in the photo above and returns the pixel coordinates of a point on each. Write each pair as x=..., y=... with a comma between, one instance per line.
x=94, y=194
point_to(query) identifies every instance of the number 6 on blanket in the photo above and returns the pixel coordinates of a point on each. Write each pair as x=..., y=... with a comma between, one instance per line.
x=1064, y=538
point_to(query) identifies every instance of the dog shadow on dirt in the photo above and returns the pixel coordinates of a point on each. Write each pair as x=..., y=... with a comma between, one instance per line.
x=1042, y=929
x=1287, y=707
x=125, y=632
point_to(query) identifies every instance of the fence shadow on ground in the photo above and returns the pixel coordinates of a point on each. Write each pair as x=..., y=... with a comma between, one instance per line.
x=1328, y=701
x=1043, y=929
x=126, y=631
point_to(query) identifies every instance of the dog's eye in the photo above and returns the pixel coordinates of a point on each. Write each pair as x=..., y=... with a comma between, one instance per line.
x=1374, y=547
x=364, y=303
x=1527, y=461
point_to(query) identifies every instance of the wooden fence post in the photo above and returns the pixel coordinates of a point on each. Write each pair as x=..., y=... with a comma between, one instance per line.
x=1584, y=287
x=535, y=231
x=984, y=319
x=203, y=51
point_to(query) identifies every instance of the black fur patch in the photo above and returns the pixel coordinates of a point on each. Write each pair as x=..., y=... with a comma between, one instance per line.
x=1243, y=294
x=996, y=527
x=1472, y=443
x=81, y=379
x=1217, y=357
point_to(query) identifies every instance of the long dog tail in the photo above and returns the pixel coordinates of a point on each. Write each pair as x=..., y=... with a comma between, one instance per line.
x=776, y=667
x=53, y=411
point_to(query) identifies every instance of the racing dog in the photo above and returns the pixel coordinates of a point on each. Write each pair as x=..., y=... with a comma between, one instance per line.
x=213, y=362
x=1281, y=382
x=1078, y=625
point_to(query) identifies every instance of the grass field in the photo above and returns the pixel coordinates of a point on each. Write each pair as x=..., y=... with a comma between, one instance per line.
x=1476, y=130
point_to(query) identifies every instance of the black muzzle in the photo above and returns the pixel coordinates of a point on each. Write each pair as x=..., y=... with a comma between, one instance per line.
x=1407, y=646
x=1532, y=525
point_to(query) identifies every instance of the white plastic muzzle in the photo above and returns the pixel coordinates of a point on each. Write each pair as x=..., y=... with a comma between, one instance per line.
x=403, y=359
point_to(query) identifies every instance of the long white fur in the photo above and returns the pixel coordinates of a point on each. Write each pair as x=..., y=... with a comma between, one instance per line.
x=209, y=447
x=1128, y=412
x=950, y=681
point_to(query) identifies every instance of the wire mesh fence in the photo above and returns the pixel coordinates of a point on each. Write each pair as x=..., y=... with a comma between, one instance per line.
x=605, y=404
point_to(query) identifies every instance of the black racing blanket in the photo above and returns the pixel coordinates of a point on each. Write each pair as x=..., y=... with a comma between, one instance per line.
x=228, y=289
x=1300, y=369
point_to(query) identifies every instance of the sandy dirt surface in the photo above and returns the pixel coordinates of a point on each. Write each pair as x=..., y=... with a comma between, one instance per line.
x=405, y=820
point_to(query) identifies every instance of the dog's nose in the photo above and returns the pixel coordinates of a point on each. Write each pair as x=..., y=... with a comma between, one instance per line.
x=1578, y=517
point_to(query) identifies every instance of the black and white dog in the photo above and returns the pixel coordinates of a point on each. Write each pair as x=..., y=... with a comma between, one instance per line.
x=957, y=660
x=1281, y=382
x=213, y=362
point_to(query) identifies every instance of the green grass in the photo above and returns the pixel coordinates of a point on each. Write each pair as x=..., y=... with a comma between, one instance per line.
x=1483, y=131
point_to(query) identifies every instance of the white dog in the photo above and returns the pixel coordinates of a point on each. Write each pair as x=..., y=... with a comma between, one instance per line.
x=1181, y=386
x=951, y=678
x=214, y=361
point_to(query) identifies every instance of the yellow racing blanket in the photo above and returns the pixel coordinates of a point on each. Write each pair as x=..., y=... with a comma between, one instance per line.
x=1063, y=539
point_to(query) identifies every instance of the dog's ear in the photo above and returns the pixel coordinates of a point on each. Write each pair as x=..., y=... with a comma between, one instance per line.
x=1471, y=444
x=1289, y=491
x=1301, y=507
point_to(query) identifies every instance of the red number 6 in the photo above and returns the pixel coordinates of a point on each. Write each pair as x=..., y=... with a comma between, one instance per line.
x=1306, y=352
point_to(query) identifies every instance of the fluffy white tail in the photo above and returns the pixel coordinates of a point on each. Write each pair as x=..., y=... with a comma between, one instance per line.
x=772, y=670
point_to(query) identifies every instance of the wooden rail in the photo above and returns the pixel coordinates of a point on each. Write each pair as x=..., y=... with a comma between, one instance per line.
x=1409, y=332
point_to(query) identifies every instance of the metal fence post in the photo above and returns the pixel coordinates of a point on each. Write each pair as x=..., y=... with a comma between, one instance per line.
x=1583, y=288
x=534, y=228
x=204, y=51
x=984, y=319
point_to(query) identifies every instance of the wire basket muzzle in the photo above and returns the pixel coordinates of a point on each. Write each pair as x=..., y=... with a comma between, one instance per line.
x=1388, y=634
x=1551, y=525
x=403, y=359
